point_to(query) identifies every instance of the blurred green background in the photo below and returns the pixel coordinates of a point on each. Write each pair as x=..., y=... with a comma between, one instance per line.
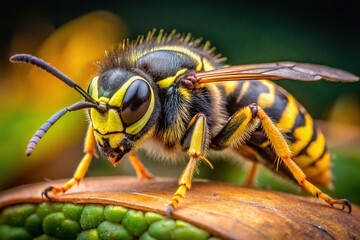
x=72, y=34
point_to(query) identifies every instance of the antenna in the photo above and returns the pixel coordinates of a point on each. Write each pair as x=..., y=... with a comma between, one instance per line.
x=30, y=59
x=89, y=103
x=52, y=120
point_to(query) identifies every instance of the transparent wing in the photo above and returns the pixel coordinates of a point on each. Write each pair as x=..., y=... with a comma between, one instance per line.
x=275, y=71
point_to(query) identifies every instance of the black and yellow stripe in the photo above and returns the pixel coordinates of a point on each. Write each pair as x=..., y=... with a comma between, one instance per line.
x=306, y=140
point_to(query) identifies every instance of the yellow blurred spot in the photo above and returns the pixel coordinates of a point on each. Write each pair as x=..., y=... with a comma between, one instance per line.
x=32, y=95
x=342, y=128
x=346, y=110
x=72, y=49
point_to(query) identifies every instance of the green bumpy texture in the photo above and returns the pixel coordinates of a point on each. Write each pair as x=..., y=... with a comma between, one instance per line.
x=47, y=221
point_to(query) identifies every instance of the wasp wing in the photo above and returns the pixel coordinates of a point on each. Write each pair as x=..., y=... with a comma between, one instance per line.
x=276, y=70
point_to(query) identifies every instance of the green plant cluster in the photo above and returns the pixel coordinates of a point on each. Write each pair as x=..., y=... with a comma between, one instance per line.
x=47, y=221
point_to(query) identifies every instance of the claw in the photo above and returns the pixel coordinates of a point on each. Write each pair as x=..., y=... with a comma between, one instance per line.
x=46, y=191
x=169, y=210
x=348, y=204
x=343, y=202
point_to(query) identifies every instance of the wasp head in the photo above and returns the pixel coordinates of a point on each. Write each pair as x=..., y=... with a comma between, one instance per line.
x=122, y=106
x=126, y=113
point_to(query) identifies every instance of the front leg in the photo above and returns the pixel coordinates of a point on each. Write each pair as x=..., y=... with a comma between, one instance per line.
x=90, y=151
x=195, y=142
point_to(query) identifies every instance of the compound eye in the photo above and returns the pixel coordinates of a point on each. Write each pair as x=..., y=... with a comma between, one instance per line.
x=92, y=85
x=136, y=102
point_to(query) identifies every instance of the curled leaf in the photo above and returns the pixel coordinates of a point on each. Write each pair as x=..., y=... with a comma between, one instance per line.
x=213, y=209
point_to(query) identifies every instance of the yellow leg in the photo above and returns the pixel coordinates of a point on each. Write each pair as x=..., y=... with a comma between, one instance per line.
x=141, y=172
x=90, y=151
x=250, y=177
x=194, y=142
x=283, y=151
x=244, y=122
x=184, y=184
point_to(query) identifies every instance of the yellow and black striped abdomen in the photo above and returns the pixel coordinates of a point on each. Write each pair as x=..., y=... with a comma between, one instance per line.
x=306, y=140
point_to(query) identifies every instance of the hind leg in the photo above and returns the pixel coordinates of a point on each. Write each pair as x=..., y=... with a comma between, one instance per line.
x=251, y=175
x=244, y=122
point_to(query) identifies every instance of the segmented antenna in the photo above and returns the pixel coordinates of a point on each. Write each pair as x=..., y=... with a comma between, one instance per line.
x=30, y=59
x=52, y=120
x=89, y=103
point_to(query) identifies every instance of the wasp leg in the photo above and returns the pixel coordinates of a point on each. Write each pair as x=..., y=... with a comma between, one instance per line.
x=141, y=172
x=90, y=151
x=195, y=143
x=283, y=151
x=251, y=176
x=235, y=132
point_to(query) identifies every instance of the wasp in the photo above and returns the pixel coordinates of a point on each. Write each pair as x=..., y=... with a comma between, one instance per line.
x=173, y=96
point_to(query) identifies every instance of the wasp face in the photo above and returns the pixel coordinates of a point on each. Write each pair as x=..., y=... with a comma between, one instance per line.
x=128, y=101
